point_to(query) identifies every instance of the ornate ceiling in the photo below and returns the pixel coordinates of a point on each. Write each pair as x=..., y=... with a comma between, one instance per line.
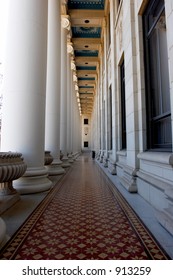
x=86, y=19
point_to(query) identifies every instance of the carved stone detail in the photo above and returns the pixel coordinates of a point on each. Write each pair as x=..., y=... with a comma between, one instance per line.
x=48, y=159
x=70, y=48
x=12, y=167
x=65, y=23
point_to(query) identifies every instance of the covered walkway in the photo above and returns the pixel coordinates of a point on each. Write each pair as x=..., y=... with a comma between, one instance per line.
x=83, y=216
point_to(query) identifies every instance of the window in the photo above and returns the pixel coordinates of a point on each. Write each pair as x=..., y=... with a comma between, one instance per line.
x=85, y=121
x=123, y=107
x=157, y=77
x=85, y=144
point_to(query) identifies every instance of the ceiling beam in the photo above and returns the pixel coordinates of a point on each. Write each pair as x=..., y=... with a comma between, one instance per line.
x=84, y=41
x=85, y=14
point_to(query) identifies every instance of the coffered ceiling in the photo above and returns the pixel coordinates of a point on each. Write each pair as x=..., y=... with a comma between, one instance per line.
x=86, y=19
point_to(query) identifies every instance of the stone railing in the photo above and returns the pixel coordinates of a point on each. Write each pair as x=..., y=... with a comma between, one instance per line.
x=12, y=167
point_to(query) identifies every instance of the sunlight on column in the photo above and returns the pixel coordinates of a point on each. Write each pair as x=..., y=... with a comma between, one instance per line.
x=3, y=25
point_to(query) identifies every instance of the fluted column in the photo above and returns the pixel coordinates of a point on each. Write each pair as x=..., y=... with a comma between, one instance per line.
x=65, y=27
x=23, y=120
x=53, y=90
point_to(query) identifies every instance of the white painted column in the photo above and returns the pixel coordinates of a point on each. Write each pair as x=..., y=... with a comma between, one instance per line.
x=23, y=120
x=105, y=94
x=74, y=122
x=69, y=99
x=65, y=27
x=70, y=93
x=102, y=118
x=53, y=91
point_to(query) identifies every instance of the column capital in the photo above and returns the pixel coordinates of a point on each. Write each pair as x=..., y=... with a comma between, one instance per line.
x=65, y=22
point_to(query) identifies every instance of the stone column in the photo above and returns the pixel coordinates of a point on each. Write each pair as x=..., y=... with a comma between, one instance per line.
x=73, y=121
x=105, y=93
x=53, y=90
x=102, y=117
x=65, y=28
x=70, y=92
x=23, y=120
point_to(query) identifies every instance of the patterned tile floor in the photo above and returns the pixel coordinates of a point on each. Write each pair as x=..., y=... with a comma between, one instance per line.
x=83, y=217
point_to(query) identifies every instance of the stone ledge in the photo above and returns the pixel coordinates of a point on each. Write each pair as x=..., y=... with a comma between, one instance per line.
x=158, y=182
x=158, y=157
x=165, y=220
x=122, y=153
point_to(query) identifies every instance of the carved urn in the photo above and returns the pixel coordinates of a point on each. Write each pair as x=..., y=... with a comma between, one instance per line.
x=12, y=167
x=48, y=159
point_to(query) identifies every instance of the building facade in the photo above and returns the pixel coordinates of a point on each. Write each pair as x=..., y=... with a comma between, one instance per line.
x=134, y=98
x=65, y=90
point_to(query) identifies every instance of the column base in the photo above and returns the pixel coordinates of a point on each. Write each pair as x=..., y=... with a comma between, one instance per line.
x=8, y=201
x=34, y=180
x=3, y=236
x=65, y=162
x=55, y=168
x=105, y=162
x=70, y=159
x=101, y=159
x=112, y=168
x=127, y=177
x=75, y=155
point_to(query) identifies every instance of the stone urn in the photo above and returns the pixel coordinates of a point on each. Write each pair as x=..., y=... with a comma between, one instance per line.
x=12, y=167
x=48, y=158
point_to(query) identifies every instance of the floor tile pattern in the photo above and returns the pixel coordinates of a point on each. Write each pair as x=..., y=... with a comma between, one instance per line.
x=84, y=217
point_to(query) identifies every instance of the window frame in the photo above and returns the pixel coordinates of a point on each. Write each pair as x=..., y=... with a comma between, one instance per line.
x=123, y=107
x=163, y=119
